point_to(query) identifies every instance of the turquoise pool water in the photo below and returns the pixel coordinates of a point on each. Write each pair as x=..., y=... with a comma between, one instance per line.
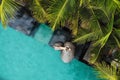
x=25, y=58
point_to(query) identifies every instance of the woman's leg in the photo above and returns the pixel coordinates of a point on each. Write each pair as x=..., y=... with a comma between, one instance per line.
x=58, y=46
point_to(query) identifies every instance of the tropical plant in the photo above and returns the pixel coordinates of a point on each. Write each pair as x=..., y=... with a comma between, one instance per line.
x=103, y=24
x=106, y=72
x=8, y=9
x=38, y=11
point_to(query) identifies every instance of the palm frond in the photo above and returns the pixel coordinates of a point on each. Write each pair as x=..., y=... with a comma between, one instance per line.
x=8, y=9
x=106, y=72
x=60, y=13
x=104, y=39
x=96, y=20
x=99, y=5
x=117, y=41
x=91, y=32
x=117, y=31
x=117, y=2
x=99, y=44
x=81, y=2
x=84, y=37
x=74, y=24
x=38, y=11
x=95, y=52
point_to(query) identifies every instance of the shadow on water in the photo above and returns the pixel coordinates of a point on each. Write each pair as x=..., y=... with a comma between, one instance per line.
x=1, y=78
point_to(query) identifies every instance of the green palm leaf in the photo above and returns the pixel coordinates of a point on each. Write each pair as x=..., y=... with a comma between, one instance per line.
x=38, y=11
x=117, y=2
x=117, y=41
x=60, y=13
x=94, y=16
x=81, y=2
x=99, y=5
x=92, y=33
x=74, y=24
x=57, y=14
x=84, y=37
x=104, y=39
x=8, y=9
x=117, y=31
x=106, y=72
x=99, y=44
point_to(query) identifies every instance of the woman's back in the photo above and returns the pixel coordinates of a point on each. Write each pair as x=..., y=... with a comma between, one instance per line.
x=68, y=54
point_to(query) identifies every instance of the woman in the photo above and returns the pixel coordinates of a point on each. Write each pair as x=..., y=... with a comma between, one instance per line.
x=67, y=52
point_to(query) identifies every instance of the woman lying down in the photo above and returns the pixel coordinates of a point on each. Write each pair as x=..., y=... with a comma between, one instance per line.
x=67, y=51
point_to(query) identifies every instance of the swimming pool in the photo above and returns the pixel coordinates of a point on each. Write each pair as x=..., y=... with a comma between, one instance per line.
x=25, y=58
